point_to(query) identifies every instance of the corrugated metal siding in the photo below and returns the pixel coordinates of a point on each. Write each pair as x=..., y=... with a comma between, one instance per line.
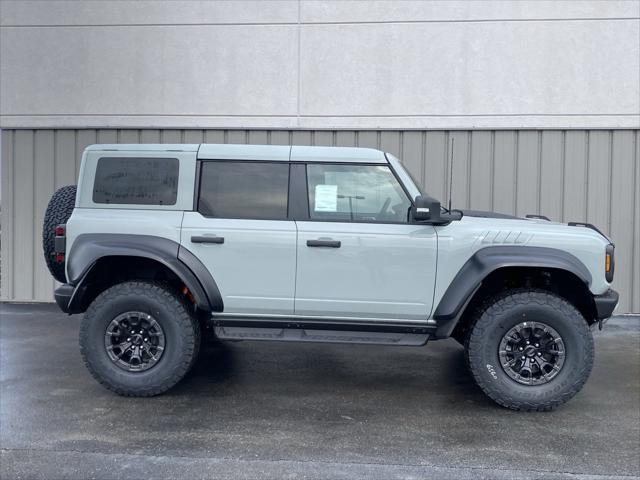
x=568, y=175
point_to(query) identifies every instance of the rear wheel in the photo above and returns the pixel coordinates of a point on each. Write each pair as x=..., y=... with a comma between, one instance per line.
x=529, y=350
x=58, y=212
x=139, y=339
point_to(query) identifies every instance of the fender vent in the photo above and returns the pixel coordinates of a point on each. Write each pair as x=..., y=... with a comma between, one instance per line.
x=505, y=237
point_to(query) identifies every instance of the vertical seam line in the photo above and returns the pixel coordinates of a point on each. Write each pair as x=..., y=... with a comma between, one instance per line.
x=447, y=167
x=515, y=172
x=634, y=250
x=492, y=167
x=75, y=153
x=423, y=160
x=563, y=160
x=539, y=180
x=33, y=214
x=610, y=182
x=587, y=140
x=13, y=215
x=469, y=167
x=299, y=65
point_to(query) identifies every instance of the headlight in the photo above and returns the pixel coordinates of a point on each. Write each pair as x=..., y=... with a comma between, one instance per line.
x=609, y=262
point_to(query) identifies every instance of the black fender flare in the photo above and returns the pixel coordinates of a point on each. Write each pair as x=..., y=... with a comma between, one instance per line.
x=88, y=248
x=485, y=261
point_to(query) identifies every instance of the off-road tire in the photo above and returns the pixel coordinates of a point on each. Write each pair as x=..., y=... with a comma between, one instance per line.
x=498, y=315
x=181, y=331
x=58, y=212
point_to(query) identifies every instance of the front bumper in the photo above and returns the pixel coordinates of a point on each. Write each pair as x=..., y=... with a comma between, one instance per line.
x=606, y=303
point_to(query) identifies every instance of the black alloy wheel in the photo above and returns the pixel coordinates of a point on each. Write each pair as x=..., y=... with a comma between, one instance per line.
x=134, y=341
x=532, y=353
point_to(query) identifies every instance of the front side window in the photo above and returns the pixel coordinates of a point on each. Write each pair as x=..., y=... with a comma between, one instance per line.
x=361, y=193
x=136, y=181
x=256, y=190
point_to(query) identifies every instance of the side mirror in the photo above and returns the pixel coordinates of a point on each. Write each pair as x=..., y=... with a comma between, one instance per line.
x=426, y=209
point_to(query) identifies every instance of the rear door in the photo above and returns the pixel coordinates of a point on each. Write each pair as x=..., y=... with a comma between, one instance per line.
x=358, y=257
x=241, y=233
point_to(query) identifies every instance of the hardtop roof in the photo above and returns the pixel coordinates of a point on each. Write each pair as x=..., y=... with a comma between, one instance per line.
x=282, y=153
x=144, y=147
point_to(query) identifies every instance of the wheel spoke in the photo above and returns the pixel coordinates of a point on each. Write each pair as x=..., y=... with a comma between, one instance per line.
x=510, y=363
x=153, y=357
x=123, y=350
x=123, y=346
x=542, y=363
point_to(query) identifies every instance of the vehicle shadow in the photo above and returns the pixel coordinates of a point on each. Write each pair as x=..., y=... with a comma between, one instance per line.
x=349, y=372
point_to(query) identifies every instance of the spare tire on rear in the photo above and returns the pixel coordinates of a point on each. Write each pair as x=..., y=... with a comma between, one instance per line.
x=58, y=212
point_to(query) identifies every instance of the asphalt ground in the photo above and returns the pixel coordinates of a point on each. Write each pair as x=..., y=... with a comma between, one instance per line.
x=316, y=411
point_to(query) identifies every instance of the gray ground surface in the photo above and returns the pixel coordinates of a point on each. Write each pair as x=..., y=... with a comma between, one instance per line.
x=270, y=410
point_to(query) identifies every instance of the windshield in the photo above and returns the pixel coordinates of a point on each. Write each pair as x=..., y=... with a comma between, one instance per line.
x=406, y=178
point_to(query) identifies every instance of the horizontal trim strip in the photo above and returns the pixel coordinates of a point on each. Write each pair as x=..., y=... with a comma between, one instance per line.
x=309, y=318
x=380, y=326
x=419, y=115
x=311, y=23
x=496, y=122
x=326, y=129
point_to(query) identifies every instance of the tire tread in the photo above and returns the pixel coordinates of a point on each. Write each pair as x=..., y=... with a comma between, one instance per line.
x=58, y=211
x=189, y=328
x=483, y=318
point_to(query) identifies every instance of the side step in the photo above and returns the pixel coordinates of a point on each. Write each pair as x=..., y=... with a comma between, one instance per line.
x=320, y=335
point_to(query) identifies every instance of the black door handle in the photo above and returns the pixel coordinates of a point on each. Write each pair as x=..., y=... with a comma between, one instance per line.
x=324, y=243
x=205, y=239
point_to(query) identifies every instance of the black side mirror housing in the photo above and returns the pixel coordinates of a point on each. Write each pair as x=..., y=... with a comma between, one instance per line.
x=427, y=209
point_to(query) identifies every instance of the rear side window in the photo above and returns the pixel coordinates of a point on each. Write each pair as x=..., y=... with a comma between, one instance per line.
x=256, y=190
x=136, y=181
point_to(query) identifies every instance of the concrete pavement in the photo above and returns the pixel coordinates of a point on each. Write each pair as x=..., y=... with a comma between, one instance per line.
x=277, y=410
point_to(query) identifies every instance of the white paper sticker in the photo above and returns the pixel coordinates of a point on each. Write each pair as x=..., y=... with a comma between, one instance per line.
x=326, y=198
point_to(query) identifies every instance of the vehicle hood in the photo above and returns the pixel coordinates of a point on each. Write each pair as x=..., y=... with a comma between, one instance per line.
x=487, y=214
x=500, y=221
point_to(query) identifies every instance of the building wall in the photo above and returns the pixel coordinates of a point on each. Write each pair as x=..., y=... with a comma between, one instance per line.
x=541, y=97
x=568, y=175
x=357, y=64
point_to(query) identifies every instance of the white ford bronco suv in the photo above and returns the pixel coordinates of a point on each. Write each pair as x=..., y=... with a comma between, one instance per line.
x=315, y=244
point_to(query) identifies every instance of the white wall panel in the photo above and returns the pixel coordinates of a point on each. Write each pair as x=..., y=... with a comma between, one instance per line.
x=312, y=64
x=315, y=11
x=150, y=72
x=145, y=12
x=430, y=70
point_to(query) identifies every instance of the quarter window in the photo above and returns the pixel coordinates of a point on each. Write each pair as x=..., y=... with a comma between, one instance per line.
x=256, y=190
x=357, y=193
x=136, y=181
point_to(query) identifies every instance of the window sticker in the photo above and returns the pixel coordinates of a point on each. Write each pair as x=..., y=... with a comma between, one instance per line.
x=326, y=198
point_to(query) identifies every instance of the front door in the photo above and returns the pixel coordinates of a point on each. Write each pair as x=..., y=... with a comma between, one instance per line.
x=241, y=234
x=358, y=257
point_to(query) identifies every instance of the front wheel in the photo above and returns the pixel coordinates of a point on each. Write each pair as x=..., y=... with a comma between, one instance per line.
x=529, y=350
x=139, y=339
